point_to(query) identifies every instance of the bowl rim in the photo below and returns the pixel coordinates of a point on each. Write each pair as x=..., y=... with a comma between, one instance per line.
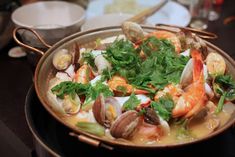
x=79, y=21
x=111, y=142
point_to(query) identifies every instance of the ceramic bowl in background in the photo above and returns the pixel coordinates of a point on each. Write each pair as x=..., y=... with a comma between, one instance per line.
x=53, y=20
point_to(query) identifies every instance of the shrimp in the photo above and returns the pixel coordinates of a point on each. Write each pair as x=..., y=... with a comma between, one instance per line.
x=169, y=36
x=194, y=98
x=84, y=74
x=173, y=90
x=119, y=84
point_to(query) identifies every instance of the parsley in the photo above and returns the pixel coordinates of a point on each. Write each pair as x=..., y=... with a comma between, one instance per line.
x=98, y=88
x=72, y=88
x=131, y=103
x=69, y=88
x=163, y=107
x=89, y=58
x=124, y=59
x=162, y=66
x=224, y=86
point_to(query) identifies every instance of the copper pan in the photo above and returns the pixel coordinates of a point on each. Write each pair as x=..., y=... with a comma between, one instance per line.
x=45, y=71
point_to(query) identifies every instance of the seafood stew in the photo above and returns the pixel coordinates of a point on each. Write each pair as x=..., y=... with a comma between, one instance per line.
x=143, y=88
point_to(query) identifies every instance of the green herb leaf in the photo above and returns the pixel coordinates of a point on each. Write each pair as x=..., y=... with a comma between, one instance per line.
x=70, y=88
x=98, y=88
x=124, y=59
x=163, y=107
x=89, y=58
x=224, y=86
x=131, y=103
x=93, y=128
x=162, y=66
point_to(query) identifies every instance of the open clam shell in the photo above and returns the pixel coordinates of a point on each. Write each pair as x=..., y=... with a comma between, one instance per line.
x=106, y=110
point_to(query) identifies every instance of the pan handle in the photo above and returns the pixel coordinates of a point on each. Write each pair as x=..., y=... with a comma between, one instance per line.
x=28, y=46
x=200, y=33
x=91, y=141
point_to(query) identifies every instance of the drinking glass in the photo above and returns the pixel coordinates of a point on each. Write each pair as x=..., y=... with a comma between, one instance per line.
x=199, y=10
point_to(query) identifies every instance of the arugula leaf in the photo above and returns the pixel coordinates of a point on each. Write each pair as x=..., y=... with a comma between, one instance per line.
x=224, y=86
x=93, y=128
x=131, y=103
x=163, y=107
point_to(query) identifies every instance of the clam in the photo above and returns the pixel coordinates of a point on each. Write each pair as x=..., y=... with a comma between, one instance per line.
x=132, y=31
x=151, y=117
x=215, y=64
x=71, y=105
x=125, y=125
x=189, y=40
x=106, y=110
x=74, y=50
x=62, y=59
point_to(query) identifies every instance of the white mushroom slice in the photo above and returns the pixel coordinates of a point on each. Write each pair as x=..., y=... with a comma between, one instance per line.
x=209, y=91
x=70, y=71
x=186, y=53
x=95, y=80
x=62, y=59
x=63, y=76
x=102, y=64
x=215, y=64
x=143, y=99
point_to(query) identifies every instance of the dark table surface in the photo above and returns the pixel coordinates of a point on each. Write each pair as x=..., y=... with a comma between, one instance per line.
x=16, y=78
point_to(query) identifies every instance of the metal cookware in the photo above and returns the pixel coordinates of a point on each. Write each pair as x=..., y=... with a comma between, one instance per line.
x=45, y=71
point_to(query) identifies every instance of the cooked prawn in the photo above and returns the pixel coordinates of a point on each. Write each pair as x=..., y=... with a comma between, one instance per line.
x=194, y=98
x=173, y=90
x=84, y=74
x=119, y=84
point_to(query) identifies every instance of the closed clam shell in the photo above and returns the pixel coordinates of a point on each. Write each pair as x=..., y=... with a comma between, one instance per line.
x=125, y=125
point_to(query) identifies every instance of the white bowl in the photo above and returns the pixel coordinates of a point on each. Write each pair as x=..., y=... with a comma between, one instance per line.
x=53, y=20
x=104, y=21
